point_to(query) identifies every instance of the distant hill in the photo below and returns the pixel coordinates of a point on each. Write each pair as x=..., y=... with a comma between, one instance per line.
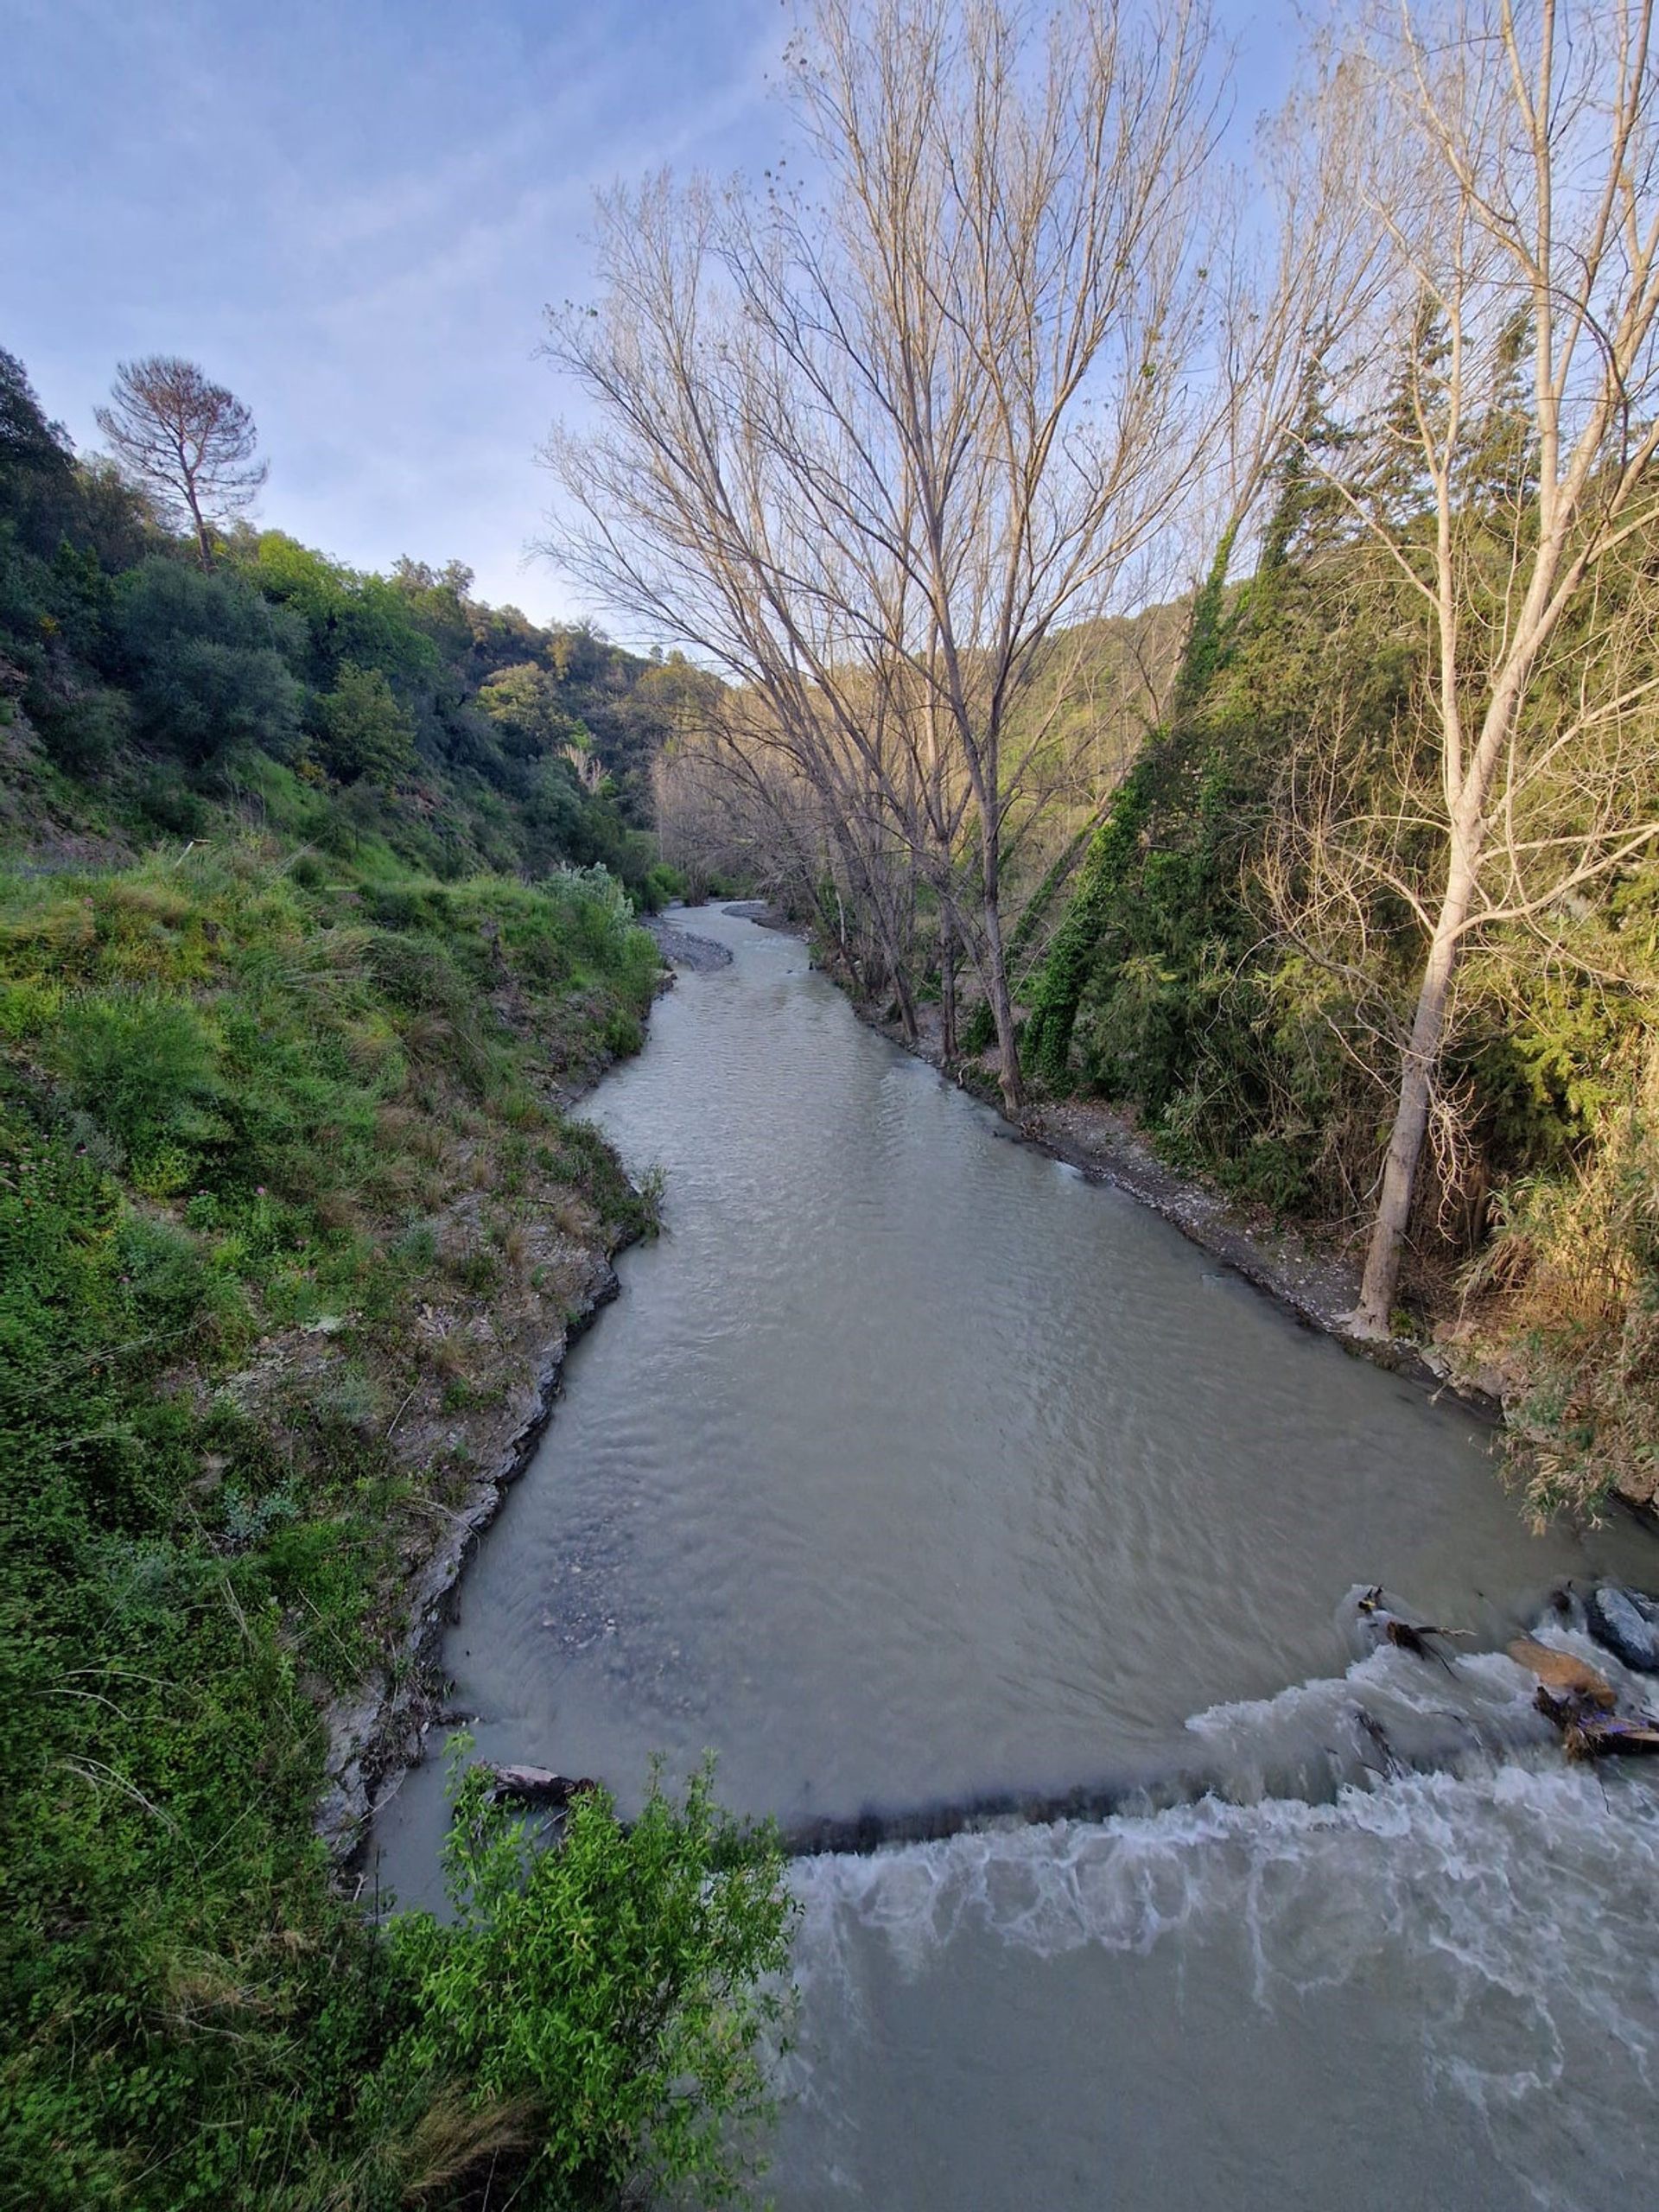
x=143, y=697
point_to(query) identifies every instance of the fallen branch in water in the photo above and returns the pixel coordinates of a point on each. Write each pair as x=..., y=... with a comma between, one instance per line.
x=1589, y=1732
x=1417, y=1637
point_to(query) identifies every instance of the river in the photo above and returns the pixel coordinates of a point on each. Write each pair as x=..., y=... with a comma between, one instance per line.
x=913, y=1468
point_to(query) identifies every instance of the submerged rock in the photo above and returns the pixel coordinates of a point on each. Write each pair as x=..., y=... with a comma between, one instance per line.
x=1626, y=1624
x=1559, y=1670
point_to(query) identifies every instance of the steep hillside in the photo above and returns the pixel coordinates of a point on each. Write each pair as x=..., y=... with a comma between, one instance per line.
x=317, y=905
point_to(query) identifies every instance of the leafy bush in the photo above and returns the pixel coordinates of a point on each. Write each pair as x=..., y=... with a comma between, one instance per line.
x=1572, y=1274
x=609, y=2005
x=660, y=887
x=208, y=662
x=140, y=1064
x=363, y=730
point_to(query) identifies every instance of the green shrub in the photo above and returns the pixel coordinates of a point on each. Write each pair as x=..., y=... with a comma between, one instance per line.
x=617, y=1996
x=208, y=662
x=660, y=884
x=363, y=730
x=139, y=1065
x=167, y=803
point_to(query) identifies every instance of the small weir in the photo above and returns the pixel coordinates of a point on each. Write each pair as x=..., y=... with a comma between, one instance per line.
x=978, y=1524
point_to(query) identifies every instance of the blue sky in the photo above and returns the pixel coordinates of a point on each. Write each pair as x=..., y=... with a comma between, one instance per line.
x=353, y=214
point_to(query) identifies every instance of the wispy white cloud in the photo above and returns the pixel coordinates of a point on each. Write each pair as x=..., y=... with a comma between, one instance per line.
x=355, y=217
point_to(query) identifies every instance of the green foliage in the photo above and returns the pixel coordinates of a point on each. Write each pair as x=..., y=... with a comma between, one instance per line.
x=208, y=662
x=619, y=1996
x=234, y=1096
x=266, y=1095
x=144, y=1065
x=524, y=702
x=438, y=727
x=1573, y=1269
x=1109, y=861
x=660, y=886
x=36, y=464
x=363, y=730
x=1048, y=1041
x=364, y=622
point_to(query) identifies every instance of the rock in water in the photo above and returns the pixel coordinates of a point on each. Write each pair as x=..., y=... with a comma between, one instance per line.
x=1561, y=1671
x=1627, y=1625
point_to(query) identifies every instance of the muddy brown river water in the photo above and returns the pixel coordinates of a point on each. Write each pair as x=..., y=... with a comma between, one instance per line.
x=912, y=1469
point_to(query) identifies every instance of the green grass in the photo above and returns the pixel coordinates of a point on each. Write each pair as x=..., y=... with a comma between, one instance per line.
x=246, y=1097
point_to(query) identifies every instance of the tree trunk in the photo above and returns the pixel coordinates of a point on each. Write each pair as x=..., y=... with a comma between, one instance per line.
x=1372, y=1317
x=204, y=543
x=901, y=991
x=996, y=985
x=948, y=1044
x=895, y=976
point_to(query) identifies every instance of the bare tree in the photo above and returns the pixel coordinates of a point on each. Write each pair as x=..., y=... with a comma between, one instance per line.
x=1512, y=187
x=188, y=441
x=872, y=449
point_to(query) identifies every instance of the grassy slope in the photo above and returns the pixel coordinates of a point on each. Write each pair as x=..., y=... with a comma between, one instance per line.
x=279, y=1149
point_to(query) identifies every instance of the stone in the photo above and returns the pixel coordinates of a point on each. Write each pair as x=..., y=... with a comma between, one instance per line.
x=1626, y=1624
x=1561, y=1671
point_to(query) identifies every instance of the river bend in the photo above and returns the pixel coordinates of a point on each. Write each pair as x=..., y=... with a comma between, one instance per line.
x=913, y=1469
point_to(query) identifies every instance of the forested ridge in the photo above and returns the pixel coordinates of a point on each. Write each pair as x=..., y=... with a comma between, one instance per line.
x=317, y=900
x=151, y=691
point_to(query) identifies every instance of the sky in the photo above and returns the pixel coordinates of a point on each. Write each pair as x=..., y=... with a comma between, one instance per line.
x=355, y=214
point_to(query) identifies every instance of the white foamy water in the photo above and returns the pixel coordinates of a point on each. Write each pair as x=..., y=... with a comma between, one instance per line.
x=1440, y=1991
x=1433, y=1988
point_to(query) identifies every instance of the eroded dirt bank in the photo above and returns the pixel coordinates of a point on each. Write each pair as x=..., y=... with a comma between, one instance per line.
x=472, y=1458
x=469, y=1429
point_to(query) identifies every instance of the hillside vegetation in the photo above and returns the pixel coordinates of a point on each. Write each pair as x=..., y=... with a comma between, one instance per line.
x=319, y=906
x=145, y=696
x=1240, y=957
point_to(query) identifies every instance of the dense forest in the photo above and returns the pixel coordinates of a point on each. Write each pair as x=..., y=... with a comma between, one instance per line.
x=151, y=690
x=316, y=901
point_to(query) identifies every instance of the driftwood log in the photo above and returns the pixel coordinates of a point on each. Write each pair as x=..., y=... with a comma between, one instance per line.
x=1588, y=1732
x=1419, y=1637
x=537, y=1785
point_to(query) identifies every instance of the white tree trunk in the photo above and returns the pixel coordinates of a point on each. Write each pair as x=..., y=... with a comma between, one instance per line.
x=996, y=983
x=1372, y=1317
